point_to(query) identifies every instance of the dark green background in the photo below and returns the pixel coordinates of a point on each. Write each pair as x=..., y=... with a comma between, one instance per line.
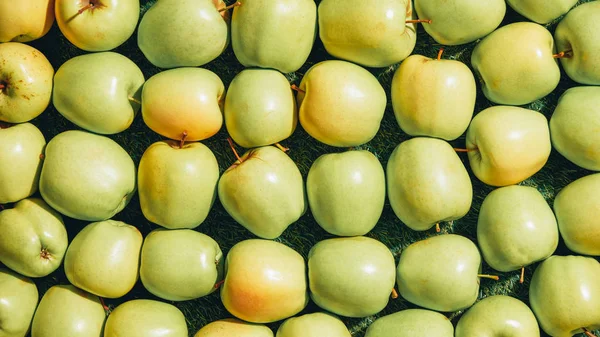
x=304, y=150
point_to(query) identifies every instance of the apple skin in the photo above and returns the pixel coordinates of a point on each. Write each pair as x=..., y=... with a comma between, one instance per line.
x=105, y=26
x=146, y=318
x=231, y=327
x=541, y=11
x=577, y=210
x=265, y=281
x=95, y=91
x=34, y=238
x=410, y=323
x=18, y=300
x=274, y=34
x=177, y=186
x=498, y=315
x=26, y=75
x=21, y=151
x=184, y=100
x=564, y=293
x=317, y=324
x=67, y=311
x=24, y=21
x=434, y=98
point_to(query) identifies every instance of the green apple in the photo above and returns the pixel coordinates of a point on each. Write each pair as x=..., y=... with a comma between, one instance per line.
x=265, y=281
x=507, y=145
x=352, y=276
x=427, y=183
x=66, y=311
x=274, y=34
x=263, y=191
x=184, y=103
x=25, y=82
x=260, y=108
x=318, y=324
x=340, y=103
x=146, y=318
x=433, y=97
x=541, y=11
x=21, y=153
x=103, y=258
x=564, y=293
x=455, y=22
x=574, y=125
x=231, y=327
x=369, y=33
x=183, y=33
x=34, y=238
x=97, y=25
x=346, y=192
x=177, y=183
x=440, y=273
x=99, y=92
x=498, y=316
x=515, y=64
x=516, y=228
x=26, y=20
x=577, y=36
x=577, y=210
x=410, y=323
x=18, y=300
x=180, y=264
x=101, y=176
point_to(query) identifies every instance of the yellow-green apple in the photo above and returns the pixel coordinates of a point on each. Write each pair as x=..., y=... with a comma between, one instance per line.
x=260, y=108
x=498, y=316
x=25, y=82
x=184, y=33
x=21, y=153
x=97, y=25
x=25, y=20
x=146, y=318
x=346, y=192
x=99, y=92
x=541, y=11
x=103, y=258
x=516, y=64
x=564, y=293
x=265, y=281
x=180, y=264
x=177, y=183
x=184, y=103
x=317, y=324
x=231, y=327
x=101, y=176
x=68, y=311
x=577, y=211
x=507, y=145
x=427, y=183
x=18, y=300
x=274, y=34
x=341, y=104
x=410, y=323
x=574, y=125
x=263, y=191
x=372, y=34
x=576, y=36
x=433, y=97
x=516, y=228
x=34, y=238
x=352, y=276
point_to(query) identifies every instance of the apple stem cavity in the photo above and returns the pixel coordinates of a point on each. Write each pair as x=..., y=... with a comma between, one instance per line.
x=296, y=88
x=491, y=277
x=563, y=54
x=418, y=21
x=183, y=137
x=522, y=279
x=236, y=4
x=394, y=293
x=237, y=156
x=133, y=99
x=281, y=147
x=439, y=55
x=588, y=333
x=219, y=284
x=437, y=227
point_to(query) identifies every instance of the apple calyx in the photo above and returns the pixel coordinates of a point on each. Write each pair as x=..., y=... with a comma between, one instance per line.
x=522, y=278
x=92, y=4
x=563, y=54
x=491, y=277
x=394, y=294
x=419, y=21
x=236, y=4
x=296, y=88
x=587, y=332
x=44, y=254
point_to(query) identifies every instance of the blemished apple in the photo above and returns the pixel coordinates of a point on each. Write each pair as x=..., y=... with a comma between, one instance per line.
x=411, y=323
x=97, y=25
x=21, y=152
x=541, y=11
x=231, y=327
x=34, y=238
x=26, y=20
x=274, y=34
x=144, y=318
x=316, y=324
x=25, y=82
x=99, y=92
x=18, y=300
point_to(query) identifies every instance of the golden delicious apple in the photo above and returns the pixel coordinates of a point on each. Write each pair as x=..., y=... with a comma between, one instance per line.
x=318, y=324
x=411, y=323
x=231, y=327
x=541, y=11
x=25, y=20
x=146, y=318
x=18, y=300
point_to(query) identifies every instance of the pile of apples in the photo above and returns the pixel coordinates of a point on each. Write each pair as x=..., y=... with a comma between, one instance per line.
x=83, y=176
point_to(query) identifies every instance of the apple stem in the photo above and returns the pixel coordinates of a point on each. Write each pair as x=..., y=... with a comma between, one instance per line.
x=394, y=293
x=88, y=6
x=219, y=284
x=281, y=147
x=492, y=277
x=439, y=56
x=588, y=333
x=135, y=100
x=563, y=54
x=437, y=227
x=522, y=279
x=42, y=156
x=465, y=150
x=236, y=4
x=183, y=137
x=230, y=141
x=104, y=306
x=418, y=21
x=2, y=86
x=295, y=88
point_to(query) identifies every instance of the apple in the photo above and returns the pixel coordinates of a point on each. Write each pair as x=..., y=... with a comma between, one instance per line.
x=99, y=92
x=410, y=323
x=145, y=318
x=34, y=238
x=25, y=82
x=97, y=25
x=231, y=327
x=21, y=153
x=26, y=20
x=317, y=324
x=18, y=300
x=541, y=11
